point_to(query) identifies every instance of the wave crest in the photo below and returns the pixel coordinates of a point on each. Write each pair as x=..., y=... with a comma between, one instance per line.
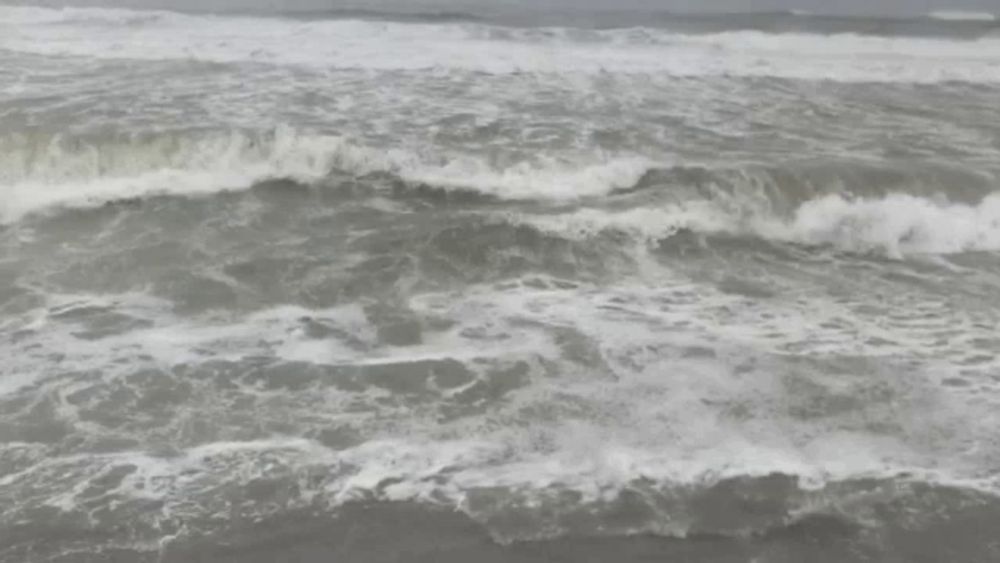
x=42, y=172
x=896, y=225
x=961, y=15
x=39, y=173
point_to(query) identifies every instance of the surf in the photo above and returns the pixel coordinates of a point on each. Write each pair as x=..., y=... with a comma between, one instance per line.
x=358, y=44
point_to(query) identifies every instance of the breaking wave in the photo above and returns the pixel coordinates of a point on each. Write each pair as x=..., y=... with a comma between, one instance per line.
x=518, y=502
x=896, y=225
x=851, y=206
x=51, y=172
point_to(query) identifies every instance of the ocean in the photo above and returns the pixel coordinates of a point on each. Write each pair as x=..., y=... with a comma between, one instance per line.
x=498, y=286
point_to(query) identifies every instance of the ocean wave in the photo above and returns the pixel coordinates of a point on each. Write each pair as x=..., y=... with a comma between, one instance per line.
x=517, y=501
x=855, y=207
x=40, y=173
x=896, y=225
x=959, y=15
x=45, y=172
x=417, y=15
x=477, y=47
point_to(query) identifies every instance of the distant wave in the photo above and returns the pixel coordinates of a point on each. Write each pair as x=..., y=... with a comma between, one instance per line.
x=475, y=47
x=430, y=16
x=957, y=15
x=790, y=20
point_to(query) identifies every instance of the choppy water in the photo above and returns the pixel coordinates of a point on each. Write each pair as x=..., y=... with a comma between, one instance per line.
x=454, y=287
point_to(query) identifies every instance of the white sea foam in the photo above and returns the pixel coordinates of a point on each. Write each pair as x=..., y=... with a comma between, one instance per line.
x=899, y=224
x=448, y=470
x=669, y=419
x=354, y=44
